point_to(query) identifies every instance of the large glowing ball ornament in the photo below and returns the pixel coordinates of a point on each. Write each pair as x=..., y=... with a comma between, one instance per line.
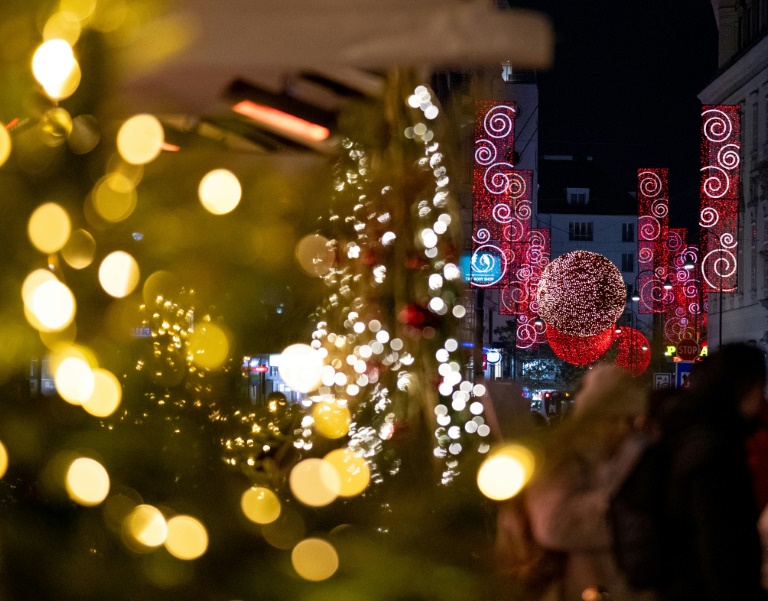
x=140, y=139
x=187, y=537
x=314, y=482
x=301, y=367
x=580, y=350
x=260, y=505
x=315, y=559
x=49, y=228
x=331, y=419
x=119, y=274
x=315, y=255
x=581, y=293
x=353, y=470
x=505, y=472
x=87, y=482
x=220, y=191
x=634, y=351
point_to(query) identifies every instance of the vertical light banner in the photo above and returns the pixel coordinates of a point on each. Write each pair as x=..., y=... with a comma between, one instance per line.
x=516, y=293
x=495, y=187
x=652, y=233
x=719, y=193
x=685, y=317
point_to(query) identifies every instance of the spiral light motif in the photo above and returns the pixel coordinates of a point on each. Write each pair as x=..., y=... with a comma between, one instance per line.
x=481, y=236
x=718, y=264
x=502, y=213
x=728, y=240
x=728, y=156
x=526, y=335
x=648, y=228
x=514, y=231
x=485, y=152
x=717, y=184
x=649, y=183
x=523, y=209
x=499, y=122
x=499, y=179
x=660, y=208
x=717, y=125
x=708, y=217
x=674, y=241
x=645, y=255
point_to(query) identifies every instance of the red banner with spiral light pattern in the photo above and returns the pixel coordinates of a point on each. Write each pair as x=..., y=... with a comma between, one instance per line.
x=652, y=233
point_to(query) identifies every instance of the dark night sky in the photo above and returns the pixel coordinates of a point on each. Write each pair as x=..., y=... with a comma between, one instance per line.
x=624, y=87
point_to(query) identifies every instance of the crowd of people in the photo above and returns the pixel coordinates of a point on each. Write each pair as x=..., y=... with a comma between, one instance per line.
x=698, y=456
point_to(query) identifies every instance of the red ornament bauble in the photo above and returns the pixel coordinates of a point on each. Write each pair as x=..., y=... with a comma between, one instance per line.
x=581, y=293
x=630, y=355
x=579, y=350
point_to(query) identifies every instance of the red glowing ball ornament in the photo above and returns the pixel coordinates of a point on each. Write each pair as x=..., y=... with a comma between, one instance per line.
x=580, y=350
x=634, y=352
x=581, y=293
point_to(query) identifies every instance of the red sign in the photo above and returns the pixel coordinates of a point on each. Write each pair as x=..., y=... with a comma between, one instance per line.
x=688, y=349
x=260, y=369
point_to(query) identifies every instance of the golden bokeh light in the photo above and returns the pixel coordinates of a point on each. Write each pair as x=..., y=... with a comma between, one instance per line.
x=505, y=472
x=285, y=531
x=3, y=460
x=119, y=274
x=52, y=306
x=260, y=505
x=331, y=419
x=79, y=9
x=63, y=25
x=31, y=283
x=315, y=559
x=161, y=283
x=55, y=68
x=107, y=394
x=75, y=380
x=5, y=144
x=314, y=482
x=114, y=197
x=208, y=346
x=301, y=367
x=140, y=139
x=220, y=191
x=146, y=526
x=49, y=227
x=79, y=250
x=315, y=255
x=354, y=473
x=87, y=482
x=187, y=537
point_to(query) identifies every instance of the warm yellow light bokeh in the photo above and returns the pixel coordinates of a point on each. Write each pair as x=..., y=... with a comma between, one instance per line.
x=49, y=227
x=79, y=9
x=314, y=482
x=354, y=473
x=315, y=559
x=79, y=250
x=114, y=197
x=52, y=306
x=505, y=472
x=107, y=394
x=62, y=25
x=208, y=346
x=3, y=460
x=140, y=139
x=331, y=419
x=187, y=537
x=74, y=379
x=5, y=144
x=87, y=482
x=31, y=283
x=146, y=526
x=314, y=255
x=260, y=505
x=119, y=274
x=301, y=367
x=55, y=68
x=220, y=191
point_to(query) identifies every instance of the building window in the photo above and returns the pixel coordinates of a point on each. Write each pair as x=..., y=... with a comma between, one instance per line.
x=753, y=255
x=580, y=230
x=577, y=196
x=627, y=262
x=627, y=232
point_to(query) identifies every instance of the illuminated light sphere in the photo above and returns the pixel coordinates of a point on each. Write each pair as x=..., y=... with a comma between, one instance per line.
x=220, y=191
x=301, y=367
x=634, y=353
x=187, y=537
x=119, y=274
x=208, y=346
x=140, y=139
x=75, y=380
x=52, y=307
x=353, y=470
x=314, y=482
x=260, y=505
x=79, y=250
x=505, y=472
x=314, y=255
x=146, y=526
x=49, y=228
x=114, y=197
x=581, y=293
x=55, y=68
x=331, y=419
x=3, y=460
x=315, y=559
x=87, y=482
x=107, y=394
x=580, y=350
x=5, y=144
x=62, y=25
